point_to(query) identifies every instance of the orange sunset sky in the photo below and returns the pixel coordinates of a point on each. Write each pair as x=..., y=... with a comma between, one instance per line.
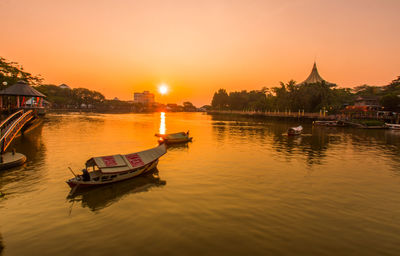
x=196, y=47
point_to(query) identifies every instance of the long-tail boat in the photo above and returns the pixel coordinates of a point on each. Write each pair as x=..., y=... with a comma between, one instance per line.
x=174, y=138
x=108, y=169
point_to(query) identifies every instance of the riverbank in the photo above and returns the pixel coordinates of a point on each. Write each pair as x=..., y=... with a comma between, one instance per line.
x=111, y=111
x=305, y=117
x=289, y=116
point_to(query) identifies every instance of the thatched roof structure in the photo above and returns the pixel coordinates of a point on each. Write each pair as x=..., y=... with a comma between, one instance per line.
x=21, y=88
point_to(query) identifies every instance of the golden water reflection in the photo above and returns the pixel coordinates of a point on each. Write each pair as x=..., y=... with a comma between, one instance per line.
x=326, y=192
x=162, y=123
x=25, y=178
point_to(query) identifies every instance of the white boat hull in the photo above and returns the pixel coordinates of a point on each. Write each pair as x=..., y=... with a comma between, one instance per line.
x=295, y=130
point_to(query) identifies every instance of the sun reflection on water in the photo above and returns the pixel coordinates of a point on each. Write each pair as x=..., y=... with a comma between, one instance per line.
x=162, y=123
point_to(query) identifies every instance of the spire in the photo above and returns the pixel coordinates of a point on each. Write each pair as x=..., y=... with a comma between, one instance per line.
x=314, y=76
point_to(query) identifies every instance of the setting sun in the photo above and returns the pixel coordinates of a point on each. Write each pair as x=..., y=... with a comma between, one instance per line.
x=163, y=89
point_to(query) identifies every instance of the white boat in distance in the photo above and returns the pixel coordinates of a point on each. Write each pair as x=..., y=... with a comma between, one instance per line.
x=109, y=169
x=295, y=130
x=393, y=126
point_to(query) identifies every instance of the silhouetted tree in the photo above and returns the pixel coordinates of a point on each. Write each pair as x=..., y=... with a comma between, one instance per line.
x=65, y=98
x=189, y=107
x=390, y=102
x=12, y=72
x=220, y=100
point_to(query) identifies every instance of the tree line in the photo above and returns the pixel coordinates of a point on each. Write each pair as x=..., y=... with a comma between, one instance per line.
x=285, y=97
x=78, y=98
x=70, y=98
x=308, y=97
x=11, y=72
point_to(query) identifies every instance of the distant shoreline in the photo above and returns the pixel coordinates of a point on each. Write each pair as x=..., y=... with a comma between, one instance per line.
x=109, y=112
x=306, y=117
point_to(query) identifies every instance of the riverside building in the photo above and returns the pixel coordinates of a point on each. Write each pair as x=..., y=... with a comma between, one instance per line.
x=145, y=98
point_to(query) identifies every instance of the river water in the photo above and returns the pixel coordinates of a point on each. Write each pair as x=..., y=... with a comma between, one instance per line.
x=242, y=187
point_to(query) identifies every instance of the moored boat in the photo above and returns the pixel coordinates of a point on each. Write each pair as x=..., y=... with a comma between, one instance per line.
x=295, y=130
x=169, y=134
x=393, y=126
x=330, y=123
x=174, y=138
x=109, y=169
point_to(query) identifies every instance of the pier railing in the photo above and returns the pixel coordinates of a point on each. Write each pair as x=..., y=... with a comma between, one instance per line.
x=6, y=123
x=12, y=125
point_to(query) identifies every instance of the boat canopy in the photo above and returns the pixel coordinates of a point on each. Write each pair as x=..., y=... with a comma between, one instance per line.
x=123, y=163
x=175, y=136
x=172, y=135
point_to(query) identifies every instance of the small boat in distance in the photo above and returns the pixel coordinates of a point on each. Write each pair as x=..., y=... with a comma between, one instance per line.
x=174, y=138
x=295, y=130
x=393, y=126
x=109, y=169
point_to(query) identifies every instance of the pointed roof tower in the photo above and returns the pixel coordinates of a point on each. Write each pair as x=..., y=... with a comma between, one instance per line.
x=314, y=77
